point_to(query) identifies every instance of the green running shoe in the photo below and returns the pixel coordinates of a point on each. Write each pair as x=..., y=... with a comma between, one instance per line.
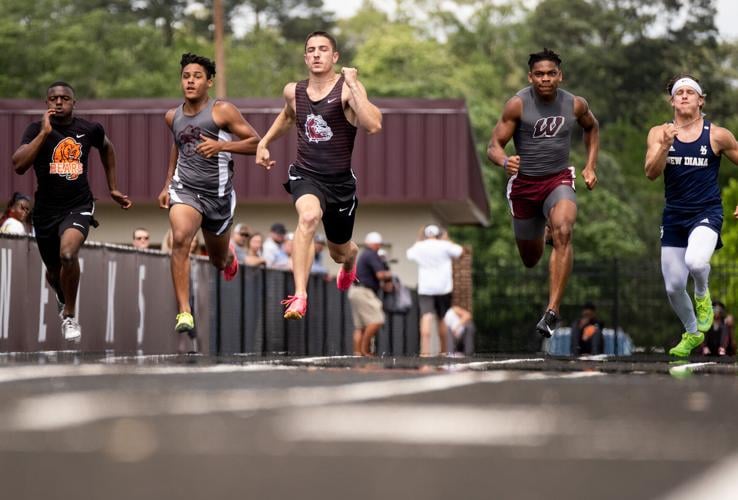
x=687, y=344
x=705, y=314
x=185, y=322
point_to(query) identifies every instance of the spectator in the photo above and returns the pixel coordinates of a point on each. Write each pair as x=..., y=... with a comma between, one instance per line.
x=460, y=329
x=366, y=308
x=289, y=246
x=254, y=250
x=719, y=340
x=318, y=266
x=433, y=255
x=240, y=237
x=141, y=238
x=15, y=217
x=586, y=332
x=166, y=243
x=273, y=253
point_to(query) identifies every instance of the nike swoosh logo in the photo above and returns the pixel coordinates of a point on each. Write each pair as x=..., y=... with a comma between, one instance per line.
x=331, y=100
x=79, y=135
x=343, y=209
x=78, y=225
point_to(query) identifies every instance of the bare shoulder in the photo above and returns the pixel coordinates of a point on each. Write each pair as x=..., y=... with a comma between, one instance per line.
x=513, y=108
x=723, y=137
x=169, y=116
x=581, y=106
x=289, y=90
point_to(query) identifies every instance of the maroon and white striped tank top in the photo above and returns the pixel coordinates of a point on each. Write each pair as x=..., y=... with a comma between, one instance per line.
x=325, y=139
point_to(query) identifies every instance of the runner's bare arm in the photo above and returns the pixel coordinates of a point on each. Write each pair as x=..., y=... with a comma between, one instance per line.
x=228, y=117
x=591, y=138
x=23, y=157
x=282, y=124
x=660, y=139
x=107, y=156
x=367, y=114
x=502, y=133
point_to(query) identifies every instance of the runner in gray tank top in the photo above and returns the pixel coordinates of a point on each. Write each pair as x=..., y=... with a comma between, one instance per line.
x=540, y=190
x=198, y=190
x=326, y=108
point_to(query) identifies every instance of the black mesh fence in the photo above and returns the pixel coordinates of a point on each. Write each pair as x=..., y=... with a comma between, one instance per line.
x=247, y=318
x=629, y=295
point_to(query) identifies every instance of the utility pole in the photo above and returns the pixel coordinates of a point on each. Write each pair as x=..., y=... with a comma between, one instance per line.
x=220, y=64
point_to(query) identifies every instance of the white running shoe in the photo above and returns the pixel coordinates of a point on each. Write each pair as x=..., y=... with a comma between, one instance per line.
x=71, y=329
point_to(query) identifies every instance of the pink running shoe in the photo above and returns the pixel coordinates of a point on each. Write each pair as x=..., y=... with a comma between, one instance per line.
x=231, y=271
x=344, y=280
x=296, y=306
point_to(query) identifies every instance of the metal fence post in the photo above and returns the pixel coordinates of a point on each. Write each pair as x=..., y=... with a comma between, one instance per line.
x=616, y=304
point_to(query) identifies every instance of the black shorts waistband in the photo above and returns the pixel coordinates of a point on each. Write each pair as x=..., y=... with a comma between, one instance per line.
x=328, y=178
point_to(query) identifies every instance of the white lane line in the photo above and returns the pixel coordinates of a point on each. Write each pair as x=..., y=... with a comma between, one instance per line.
x=594, y=357
x=421, y=424
x=717, y=483
x=689, y=367
x=480, y=365
x=58, y=411
x=35, y=372
x=321, y=359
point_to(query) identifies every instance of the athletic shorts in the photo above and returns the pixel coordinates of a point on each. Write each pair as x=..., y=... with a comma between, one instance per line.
x=531, y=198
x=676, y=225
x=337, y=201
x=438, y=304
x=366, y=308
x=216, y=212
x=49, y=229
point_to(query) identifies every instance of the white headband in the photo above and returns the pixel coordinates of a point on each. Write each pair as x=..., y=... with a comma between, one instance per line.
x=686, y=82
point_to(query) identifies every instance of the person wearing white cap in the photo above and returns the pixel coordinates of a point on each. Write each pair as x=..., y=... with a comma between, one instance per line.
x=540, y=119
x=687, y=151
x=434, y=257
x=366, y=308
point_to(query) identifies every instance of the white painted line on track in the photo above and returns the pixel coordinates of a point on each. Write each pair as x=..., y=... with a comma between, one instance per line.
x=594, y=357
x=689, y=367
x=717, y=483
x=320, y=359
x=421, y=424
x=480, y=365
x=35, y=372
x=71, y=409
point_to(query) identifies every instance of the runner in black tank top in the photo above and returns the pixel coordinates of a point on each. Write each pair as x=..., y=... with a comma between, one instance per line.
x=326, y=109
x=688, y=151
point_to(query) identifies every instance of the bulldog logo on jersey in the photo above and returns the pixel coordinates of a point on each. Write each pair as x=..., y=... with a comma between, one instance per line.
x=316, y=129
x=188, y=139
x=548, y=126
x=65, y=159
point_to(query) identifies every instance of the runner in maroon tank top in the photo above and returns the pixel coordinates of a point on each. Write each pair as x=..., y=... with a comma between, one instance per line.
x=326, y=109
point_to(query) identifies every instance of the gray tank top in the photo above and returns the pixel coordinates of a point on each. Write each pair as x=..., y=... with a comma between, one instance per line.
x=543, y=136
x=210, y=176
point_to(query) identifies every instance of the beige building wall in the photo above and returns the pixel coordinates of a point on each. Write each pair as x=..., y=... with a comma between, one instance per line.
x=398, y=224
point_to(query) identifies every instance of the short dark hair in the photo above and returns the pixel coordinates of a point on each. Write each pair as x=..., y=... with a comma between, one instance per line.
x=544, y=55
x=324, y=34
x=674, y=79
x=60, y=83
x=190, y=58
x=589, y=305
x=17, y=196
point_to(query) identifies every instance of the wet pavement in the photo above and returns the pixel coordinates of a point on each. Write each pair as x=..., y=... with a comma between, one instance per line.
x=519, y=427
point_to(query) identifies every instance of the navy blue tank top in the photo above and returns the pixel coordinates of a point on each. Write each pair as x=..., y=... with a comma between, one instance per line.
x=325, y=139
x=691, y=174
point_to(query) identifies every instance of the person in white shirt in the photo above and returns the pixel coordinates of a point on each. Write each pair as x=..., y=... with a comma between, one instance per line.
x=273, y=248
x=13, y=220
x=434, y=256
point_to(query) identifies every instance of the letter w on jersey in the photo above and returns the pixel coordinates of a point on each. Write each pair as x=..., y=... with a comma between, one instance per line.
x=547, y=126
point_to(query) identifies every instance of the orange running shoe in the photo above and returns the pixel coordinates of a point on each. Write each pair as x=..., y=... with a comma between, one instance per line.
x=344, y=280
x=231, y=271
x=296, y=306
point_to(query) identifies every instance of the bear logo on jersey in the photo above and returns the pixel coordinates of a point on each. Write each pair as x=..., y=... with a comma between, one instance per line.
x=188, y=139
x=316, y=129
x=548, y=126
x=65, y=159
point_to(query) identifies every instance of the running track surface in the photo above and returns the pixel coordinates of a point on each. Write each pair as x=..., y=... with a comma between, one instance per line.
x=194, y=427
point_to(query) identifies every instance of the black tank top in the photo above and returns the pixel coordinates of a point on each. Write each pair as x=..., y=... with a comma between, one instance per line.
x=325, y=139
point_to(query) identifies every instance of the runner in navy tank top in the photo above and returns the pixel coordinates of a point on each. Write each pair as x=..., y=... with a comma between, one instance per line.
x=540, y=119
x=326, y=109
x=198, y=191
x=688, y=152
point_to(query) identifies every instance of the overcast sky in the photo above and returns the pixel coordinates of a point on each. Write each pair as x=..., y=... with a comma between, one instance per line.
x=727, y=18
